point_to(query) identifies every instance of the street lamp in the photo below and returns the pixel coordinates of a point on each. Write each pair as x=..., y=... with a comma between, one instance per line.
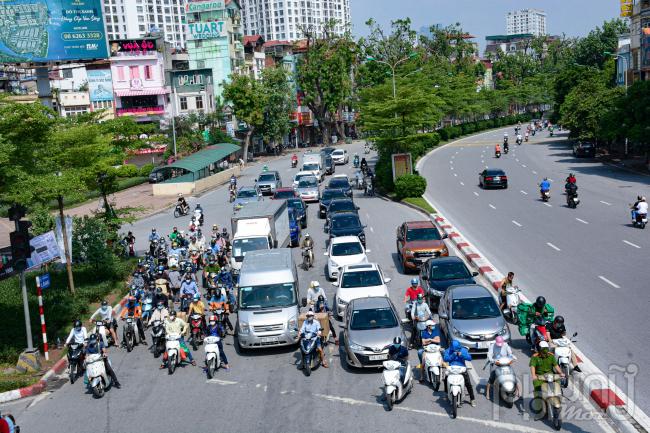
x=392, y=67
x=627, y=65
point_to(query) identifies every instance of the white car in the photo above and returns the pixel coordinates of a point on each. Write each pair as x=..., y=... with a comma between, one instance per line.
x=300, y=175
x=315, y=169
x=307, y=189
x=358, y=281
x=343, y=251
x=340, y=156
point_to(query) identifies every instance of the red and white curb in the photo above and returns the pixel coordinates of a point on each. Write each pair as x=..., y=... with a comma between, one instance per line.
x=604, y=394
x=58, y=368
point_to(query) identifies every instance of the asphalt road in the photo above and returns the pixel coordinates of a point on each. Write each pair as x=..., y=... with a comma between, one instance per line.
x=264, y=391
x=589, y=262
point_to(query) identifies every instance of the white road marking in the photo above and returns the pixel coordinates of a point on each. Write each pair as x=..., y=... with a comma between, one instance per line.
x=582, y=221
x=523, y=165
x=487, y=166
x=221, y=382
x=553, y=246
x=614, y=285
x=534, y=172
x=475, y=193
x=451, y=168
x=492, y=206
x=604, y=202
x=455, y=175
x=462, y=184
x=631, y=244
x=372, y=230
x=550, y=179
x=548, y=204
x=451, y=161
x=516, y=223
x=367, y=215
x=517, y=159
x=523, y=192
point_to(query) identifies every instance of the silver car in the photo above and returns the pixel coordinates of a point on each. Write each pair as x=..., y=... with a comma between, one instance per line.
x=371, y=324
x=307, y=189
x=471, y=315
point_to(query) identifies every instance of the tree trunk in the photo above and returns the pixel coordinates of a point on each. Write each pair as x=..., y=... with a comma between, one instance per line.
x=340, y=128
x=68, y=256
x=247, y=142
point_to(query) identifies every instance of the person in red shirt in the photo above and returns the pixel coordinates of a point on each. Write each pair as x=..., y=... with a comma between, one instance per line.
x=413, y=291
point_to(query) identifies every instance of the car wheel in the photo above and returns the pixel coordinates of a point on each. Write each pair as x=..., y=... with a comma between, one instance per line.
x=505, y=186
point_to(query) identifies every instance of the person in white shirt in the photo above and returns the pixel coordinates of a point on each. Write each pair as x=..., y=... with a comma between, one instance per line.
x=78, y=334
x=498, y=349
x=314, y=291
x=105, y=313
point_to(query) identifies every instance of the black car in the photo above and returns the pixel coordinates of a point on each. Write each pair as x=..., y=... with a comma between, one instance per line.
x=492, y=177
x=300, y=208
x=346, y=224
x=341, y=182
x=440, y=273
x=330, y=167
x=341, y=205
x=583, y=148
x=326, y=197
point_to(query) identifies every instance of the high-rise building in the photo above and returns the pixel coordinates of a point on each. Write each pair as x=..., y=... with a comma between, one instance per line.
x=526, y=21
x=286, y=19
x=132, y=19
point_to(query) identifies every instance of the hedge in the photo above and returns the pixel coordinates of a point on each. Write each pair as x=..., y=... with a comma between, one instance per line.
x=127, y=170
x=410, y=185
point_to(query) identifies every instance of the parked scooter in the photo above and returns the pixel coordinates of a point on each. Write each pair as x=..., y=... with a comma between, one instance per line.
x=158, y=337
x=395, y=390
x=310, y=357
x=505, y=381
x=98, y=378
x=551, y=395
x=75, y=358
x=562, y=352
x=455, y=387
x=432, y=365
x=513, y=299
x=212, y=358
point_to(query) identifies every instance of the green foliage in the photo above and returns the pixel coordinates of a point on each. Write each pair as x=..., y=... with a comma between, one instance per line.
x=410, y=185
x=90, y=243
x=42, y=220
x=127, y=170
x=146, y=169
x=384, y=172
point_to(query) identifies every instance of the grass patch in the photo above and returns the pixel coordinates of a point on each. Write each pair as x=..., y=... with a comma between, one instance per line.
x=10, y=382
x=419, y=202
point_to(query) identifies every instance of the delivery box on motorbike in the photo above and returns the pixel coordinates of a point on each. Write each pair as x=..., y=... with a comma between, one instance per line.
x=323, y=318
x=526, y=315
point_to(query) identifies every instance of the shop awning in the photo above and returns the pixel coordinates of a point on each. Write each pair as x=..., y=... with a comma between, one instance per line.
x=148, y=91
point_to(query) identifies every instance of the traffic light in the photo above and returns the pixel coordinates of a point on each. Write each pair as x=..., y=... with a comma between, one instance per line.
x=16, y=212
x=21, y=250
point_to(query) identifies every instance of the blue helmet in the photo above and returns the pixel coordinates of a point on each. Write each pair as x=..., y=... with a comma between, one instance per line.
x=414, y=281
x=455, y=345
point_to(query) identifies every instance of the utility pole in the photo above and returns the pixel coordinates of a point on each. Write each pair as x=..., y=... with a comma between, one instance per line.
x=392, y=67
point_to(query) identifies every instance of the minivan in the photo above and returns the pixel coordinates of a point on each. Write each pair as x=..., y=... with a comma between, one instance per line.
x=267, y=302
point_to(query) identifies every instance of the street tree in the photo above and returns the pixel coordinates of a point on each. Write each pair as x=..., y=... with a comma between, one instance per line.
x=246, y=96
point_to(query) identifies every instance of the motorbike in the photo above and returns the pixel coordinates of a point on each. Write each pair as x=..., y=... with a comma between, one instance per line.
x=395, y=390
x=526, y=138
x=369, y=189
x=455, y=387
x=355, y=162
x=101, y=329
x=551, y=395
x=147, y=309
x=307, y=258
x=180, y=211
x=310, y=358
x=294, y=163
x=562, y=352
x=198, y=214
x=75, y=357
x=220, y=309
x=196, y=330
x=497, y=154
x=551, y=134
x=639, y=220
x=366, y=150
x=185, y=303
x=232, y=195
x=433, y=364
x=173, y=352
x=536, y=335
x=519, y=141
x=98, y=379
x=153, y=247
x=128, y=334
x=158, y=337
x=513, y=299
x=505, y=380
x=572, y=200
x=546, y=195
x=506, y=149
x=212, y=358
x=533, y=132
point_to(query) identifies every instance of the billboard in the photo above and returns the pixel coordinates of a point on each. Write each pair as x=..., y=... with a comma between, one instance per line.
x=51, y=30
x=193, y=80
x=206, y=30
x=100, y=85
x=626, y=8
x=645, y=47
x=402, y=165
x=133, y=46
x=193, y=6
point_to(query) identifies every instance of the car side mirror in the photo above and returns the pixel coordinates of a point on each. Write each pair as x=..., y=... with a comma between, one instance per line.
x=575, y=334
x=387, y=280
x=443, y=316
x=326, y=253
x=368, y=251
x=445, y=235
x=424, y=277
x=357, y=207
x=255, y=179
x=303, y=302
x=335, y=283
x=406, y=321
x=474, y=274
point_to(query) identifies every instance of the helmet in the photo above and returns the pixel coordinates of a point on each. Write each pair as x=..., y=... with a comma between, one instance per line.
x=540, y=301
x=570, y=174
x=397, y=341
x=315, y=284
x=321, y=298
x=638, y=197
x=174, y=244
x=196, y=297
x=545, y=178
x=215, y=227
x=559, y=320
x=180, y=194
x=455, y=345
x=499, y=341
x=414, y=281
x=212, y=320
x=543, y=345
x=310, y=313
x=429, y=323
x=77, y=323
x=224, y=230
x=153, y=230
x=172, y=313
x=104, y=303
x=420, y=296
x=92, y=340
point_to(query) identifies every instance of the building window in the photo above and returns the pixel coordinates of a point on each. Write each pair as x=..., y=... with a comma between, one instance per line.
x=183, y=101
x=200, y=64
x=134, y=72
x=67, y=73
x=120, y=73
x=199, y=102
x=148, y=72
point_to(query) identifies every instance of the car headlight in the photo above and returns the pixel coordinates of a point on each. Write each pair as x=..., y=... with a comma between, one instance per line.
x=244, y=328
x=355, y=347
x=504, y=330
x=458, y=333
x=333, y=265
x=408, y=252
x=292, y=324
x=444, y=251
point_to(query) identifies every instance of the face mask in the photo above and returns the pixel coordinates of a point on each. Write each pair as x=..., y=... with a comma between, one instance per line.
x=104, y=308
x=420, y=301
x=396, y=346
x=310, y=320
x=160, y=307
x=545, y=351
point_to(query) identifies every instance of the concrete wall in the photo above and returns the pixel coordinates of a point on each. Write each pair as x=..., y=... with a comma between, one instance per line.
x=201, y=185
x=185, y=188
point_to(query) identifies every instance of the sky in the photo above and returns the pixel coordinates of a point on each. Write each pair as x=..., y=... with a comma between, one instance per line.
x=484, y=17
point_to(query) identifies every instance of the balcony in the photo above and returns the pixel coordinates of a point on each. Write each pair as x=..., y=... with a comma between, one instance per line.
x=141, y=111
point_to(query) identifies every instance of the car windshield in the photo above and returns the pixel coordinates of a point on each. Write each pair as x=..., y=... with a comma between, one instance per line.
x=241, y=246
x=361, y=279
x=423, y=234
x=309, y=182
x=474, y=308
x=338, y=152
x=246, y=193
x=339, y=183
x=266, y=177
x=330, y=194
x=373, y=319
x=300, y=176
x=347, y=249
x=295, y=203
x=345, y=221
x=310, y=167
x=284, y=194
x=342, y=206
x=268, y=296
x=448, y=271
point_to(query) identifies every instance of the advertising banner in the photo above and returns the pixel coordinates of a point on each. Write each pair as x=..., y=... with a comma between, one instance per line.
x=192, y=6
x=133, y=46
x=46, y=249
x=59, y=236
x=51, y=30
x=206, y=30
x=192, y=80
x=626, y=8
x=100, y=84
x=645, y=47
x=401, y=165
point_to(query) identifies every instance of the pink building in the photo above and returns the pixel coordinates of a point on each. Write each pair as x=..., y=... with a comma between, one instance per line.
x=139, y=83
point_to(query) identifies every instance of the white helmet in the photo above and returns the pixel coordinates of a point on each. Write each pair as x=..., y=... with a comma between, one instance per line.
x=543, y=344
x=429, y=323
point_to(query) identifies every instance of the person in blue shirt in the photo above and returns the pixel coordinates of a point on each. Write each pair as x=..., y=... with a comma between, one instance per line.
x=214, y=330
x=544, y=186
x=310, y=326
x=456, y=354
x=96, y=346
x=429, y=335
x=397, y=352
x=154, y=236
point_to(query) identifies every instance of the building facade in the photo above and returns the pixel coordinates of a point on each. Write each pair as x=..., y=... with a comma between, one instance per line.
x=134, y=19
x=286, y=19
x=639, y=43
x=532, y=21
x=215, y=39
x=192, y=92
x=254, y=56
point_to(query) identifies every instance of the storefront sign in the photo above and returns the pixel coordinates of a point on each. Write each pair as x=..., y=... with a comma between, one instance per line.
x=133, y=46
x=645, y=47
x=202, y=6
x=402, y=165
x=100, y=85
x=626, y=8
x=192, y=80
x=206, y=30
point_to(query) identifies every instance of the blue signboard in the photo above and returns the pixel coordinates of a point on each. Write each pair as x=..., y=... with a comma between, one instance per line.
x=45, y=281
x=51, y=30
x=100, y=84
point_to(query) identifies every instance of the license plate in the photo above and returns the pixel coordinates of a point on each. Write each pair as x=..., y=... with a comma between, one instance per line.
x=378, y=357
x=497, y=178
x=269, y=340
x=480, y=344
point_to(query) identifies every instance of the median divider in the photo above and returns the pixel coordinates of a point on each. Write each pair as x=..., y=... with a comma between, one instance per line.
x=604, y=394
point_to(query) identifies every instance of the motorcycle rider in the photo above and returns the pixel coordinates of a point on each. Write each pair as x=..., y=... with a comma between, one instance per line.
x=174, y=325
x=456, y=354
x=420, y=313
x=322, y=307
x=213, y=330
x=314, y=291
x=198, y=213
x=183, y=204
x=498, y=349
x=294, y=159
x=412, y=293
x=430, y=335
x=96, y=346
x=497, y=149
x=105, y=314
x=189, y=287
x=355, y=159
x=159, y=296
x=364, y=164
x=174, y=236
x=308, y=244
x=571, y=178
x=541, y=363
x=160, y=313
x=310, y=326
x=557, y=330
x=78, y=334
x=130, y=242
x=133, y=309
x=197, y=307
x=211, y=268
x=505, y=137
x=154, y=236
x=505, y=283
x=175, y=280
x=544, y=186
x=397, y=352
x=233, y=181
x=639, y=208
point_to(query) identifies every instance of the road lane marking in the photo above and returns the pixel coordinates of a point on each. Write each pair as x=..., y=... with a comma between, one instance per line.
x=487, y=166
x=604, y=202
x=523, y=192
x=517, y=159
x=523, y=165
x=534, y=172
x=492, y=206
x=582, y=221
x=611, y=283
x=548, y=204
x=462, y=184
x=516, y=223
x=451, y=167
x=475, y=193
x=455, y=175
x=553, y=246
x=631, y=244
x=221, y=382
x=372, y=230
